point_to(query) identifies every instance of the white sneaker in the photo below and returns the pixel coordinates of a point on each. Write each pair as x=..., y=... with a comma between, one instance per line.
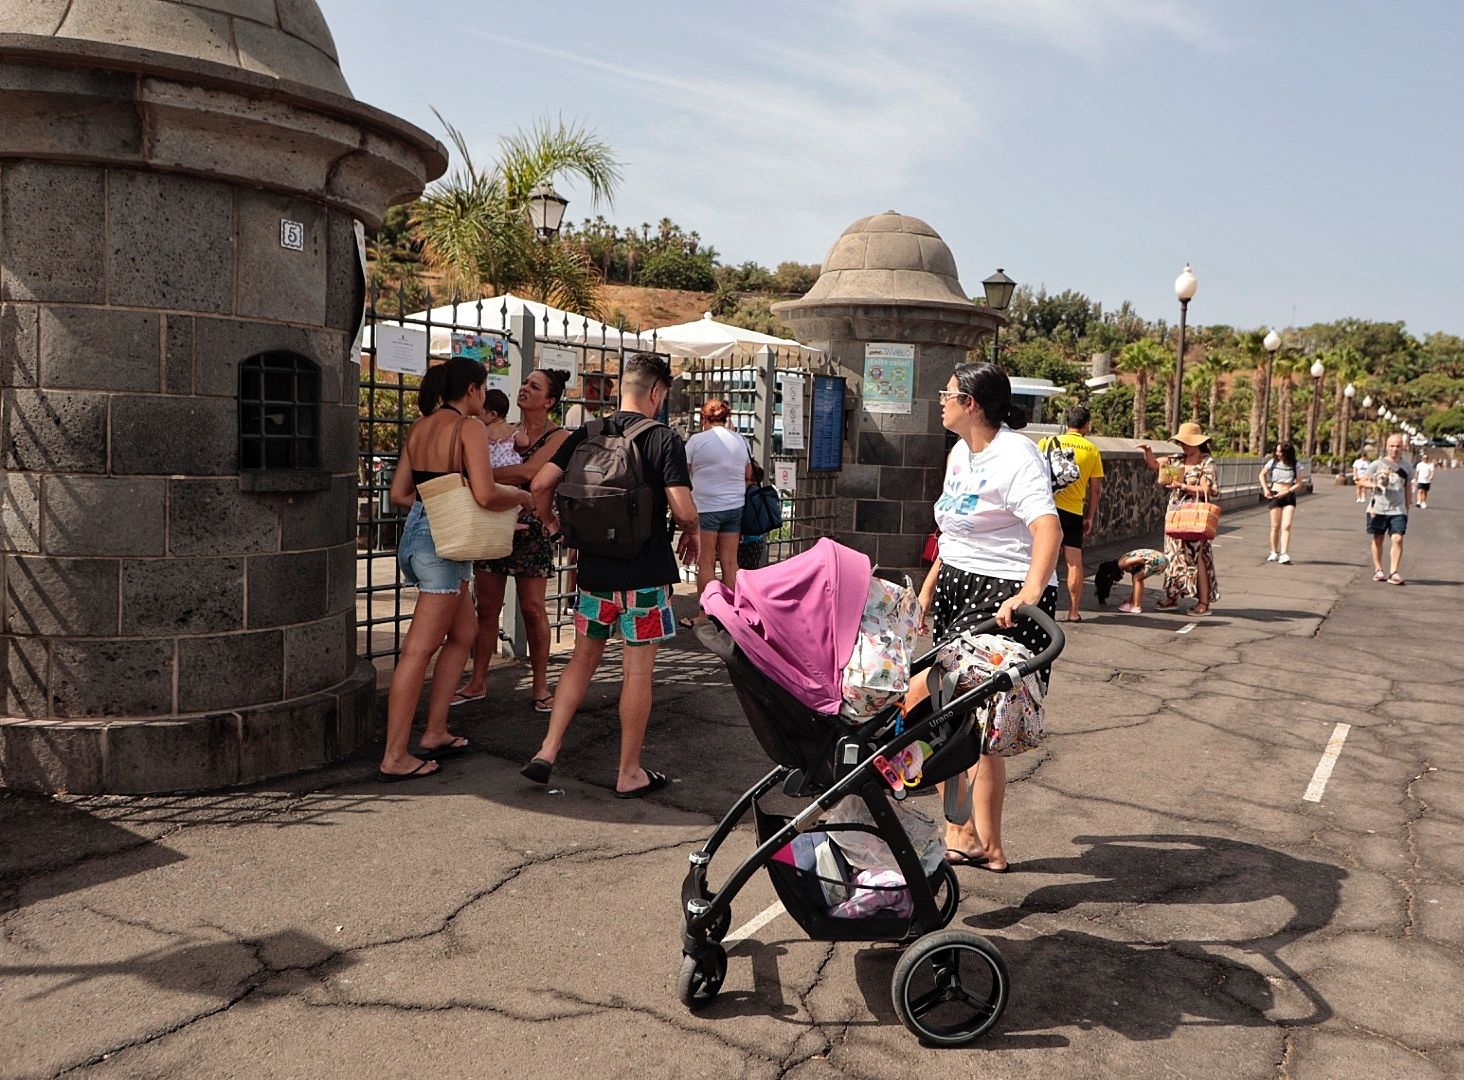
x=1283, y=559
x=1271, y=557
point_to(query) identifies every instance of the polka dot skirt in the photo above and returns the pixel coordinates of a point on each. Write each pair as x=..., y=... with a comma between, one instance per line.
x=963, y=600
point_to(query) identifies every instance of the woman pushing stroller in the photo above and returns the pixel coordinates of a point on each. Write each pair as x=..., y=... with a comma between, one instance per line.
x=999, y=542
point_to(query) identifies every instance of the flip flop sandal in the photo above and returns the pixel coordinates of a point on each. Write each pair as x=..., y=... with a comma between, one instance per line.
x=459, y=745
x=415, y=774
x=460, y=698
x=957, y=857
x=994, y=869
x=544, y=704
x=657, y=782
x=686, y=624
x=538, y=770
x=1378, y=575
x=1396, y=579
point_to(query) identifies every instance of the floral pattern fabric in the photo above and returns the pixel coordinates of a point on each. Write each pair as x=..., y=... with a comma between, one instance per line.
x=1182, y=575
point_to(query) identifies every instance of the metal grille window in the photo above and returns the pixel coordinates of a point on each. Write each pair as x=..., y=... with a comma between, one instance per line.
x=279, y=412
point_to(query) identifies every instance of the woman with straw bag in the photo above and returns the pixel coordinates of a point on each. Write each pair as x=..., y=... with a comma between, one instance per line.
x=444, y=455
x=1191, y=568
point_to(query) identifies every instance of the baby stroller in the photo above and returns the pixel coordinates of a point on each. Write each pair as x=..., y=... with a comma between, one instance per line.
x=950, y=986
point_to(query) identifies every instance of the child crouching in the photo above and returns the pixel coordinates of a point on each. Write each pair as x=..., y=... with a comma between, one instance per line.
x=1141, y=562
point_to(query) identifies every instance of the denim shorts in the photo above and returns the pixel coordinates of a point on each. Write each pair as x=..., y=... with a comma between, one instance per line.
x=721, y=521
x=419, y=562
x=1383, y=524
x=643, y=615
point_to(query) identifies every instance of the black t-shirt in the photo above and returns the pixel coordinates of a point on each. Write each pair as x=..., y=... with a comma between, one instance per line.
x=663, y=457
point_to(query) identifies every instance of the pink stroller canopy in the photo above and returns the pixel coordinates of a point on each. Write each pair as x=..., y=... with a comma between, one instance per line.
x=797, y=619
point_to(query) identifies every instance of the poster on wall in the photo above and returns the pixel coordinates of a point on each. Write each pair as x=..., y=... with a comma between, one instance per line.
x=785, y=476
x=889, y=377
x=558, y=358
x=793, y=412
x=400, y=348
x=826, y=455
x=492, y=352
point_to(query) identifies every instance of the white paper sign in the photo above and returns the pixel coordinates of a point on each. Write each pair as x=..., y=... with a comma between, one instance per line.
x=793, y=412
x=400, y=348
x=557, y=358
x=785, y=476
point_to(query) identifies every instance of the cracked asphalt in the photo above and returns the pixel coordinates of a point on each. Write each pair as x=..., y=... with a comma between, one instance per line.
x=1175, y=907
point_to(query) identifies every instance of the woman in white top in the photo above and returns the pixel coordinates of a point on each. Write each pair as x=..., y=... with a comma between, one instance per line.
x=721, y=468
x=999, y=542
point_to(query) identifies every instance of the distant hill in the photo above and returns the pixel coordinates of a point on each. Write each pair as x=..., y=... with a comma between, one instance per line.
x=645, y=308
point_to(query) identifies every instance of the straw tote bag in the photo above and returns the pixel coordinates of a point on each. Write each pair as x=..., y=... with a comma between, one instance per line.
x=1193, y=520
x=461, y=529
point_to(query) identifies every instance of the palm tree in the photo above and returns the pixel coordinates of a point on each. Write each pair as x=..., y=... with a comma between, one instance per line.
x=1251, y=345
x=475, y=225
x=1282, y=368
x=1344, y=365
x=1211, y=370
x=1143, y=358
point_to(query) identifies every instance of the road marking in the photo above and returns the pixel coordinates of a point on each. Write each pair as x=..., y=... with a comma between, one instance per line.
x=1327, y=764
x=753, y=925
x=1186, y=629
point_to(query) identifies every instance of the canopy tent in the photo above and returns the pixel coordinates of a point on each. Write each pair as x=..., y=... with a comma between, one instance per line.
x=550, y=324
x=712, y=340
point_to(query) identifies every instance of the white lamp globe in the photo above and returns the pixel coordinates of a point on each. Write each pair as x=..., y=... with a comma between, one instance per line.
x=1186, y=283
x=1349, y=391
x=1367, y=402
x=1272, y=341
x=1317, y=370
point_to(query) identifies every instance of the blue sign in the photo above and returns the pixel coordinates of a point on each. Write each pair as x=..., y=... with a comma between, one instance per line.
x=826, y=449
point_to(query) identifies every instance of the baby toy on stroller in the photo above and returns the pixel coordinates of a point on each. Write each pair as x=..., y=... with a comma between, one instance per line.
x=787, y=637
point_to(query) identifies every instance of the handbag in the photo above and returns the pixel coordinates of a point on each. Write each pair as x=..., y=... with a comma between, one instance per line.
x=762, y=507
x=931, y=551
x=461, y=529
x=752, y=554
x=1011, y=720
x=1192, y=520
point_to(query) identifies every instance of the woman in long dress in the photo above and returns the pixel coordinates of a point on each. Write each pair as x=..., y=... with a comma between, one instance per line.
x=1191, y=569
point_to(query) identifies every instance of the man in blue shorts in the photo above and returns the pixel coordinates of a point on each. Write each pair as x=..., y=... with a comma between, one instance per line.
x=1390, y=480
x=632, y=594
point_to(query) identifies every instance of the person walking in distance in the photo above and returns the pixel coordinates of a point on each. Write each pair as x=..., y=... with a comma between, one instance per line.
x=1280, y=481
x=623, y=583
x=1389, y=479
x=1359, y=470
x=1425, y=475
x=1077, y=502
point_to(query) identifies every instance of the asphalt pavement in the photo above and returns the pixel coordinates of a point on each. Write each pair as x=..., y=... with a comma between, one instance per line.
x=1178, y=904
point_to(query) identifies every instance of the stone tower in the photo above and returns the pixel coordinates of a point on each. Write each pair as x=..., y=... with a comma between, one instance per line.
x=890, y=279
x=180, y=287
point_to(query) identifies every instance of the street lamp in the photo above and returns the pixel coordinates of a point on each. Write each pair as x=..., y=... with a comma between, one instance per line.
x=546, y=211
x=1348, y=393
x=999, y=289
x=1272, y=342
x=1317, y=371
x=1184, y=289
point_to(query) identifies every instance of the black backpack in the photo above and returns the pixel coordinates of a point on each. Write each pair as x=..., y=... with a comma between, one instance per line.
x=604, y=504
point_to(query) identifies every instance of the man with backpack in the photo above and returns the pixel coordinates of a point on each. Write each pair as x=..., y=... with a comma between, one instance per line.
x=1077, y=484
x=608, y=490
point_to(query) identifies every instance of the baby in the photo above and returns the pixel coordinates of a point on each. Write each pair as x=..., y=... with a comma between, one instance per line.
x=1141, y=562
x=501, y=452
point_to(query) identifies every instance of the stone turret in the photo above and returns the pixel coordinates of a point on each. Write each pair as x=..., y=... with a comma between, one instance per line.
x=180, y=287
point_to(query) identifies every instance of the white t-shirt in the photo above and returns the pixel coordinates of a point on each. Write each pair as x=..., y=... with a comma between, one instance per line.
x=718, y=460
x=1360, y=467
x=988, y=504
x=1424, y=471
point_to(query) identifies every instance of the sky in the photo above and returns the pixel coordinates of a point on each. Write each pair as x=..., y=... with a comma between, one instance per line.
x=1302, y=155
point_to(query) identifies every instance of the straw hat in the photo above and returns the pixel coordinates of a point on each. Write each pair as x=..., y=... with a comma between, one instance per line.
x=1191, y=434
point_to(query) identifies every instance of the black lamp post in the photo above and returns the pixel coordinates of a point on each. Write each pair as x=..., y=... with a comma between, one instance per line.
x=1184, y=289
x=999, y=289
x=546, y=211
x=1317, y=371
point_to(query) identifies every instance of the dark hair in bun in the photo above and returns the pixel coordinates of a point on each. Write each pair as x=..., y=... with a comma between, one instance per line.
x=989, y=386
x=558, y=380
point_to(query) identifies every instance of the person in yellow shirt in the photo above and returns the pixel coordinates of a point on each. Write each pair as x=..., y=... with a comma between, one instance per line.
x=1077, y=503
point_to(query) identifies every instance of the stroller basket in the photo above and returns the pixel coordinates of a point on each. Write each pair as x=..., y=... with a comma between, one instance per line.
x=820, y=756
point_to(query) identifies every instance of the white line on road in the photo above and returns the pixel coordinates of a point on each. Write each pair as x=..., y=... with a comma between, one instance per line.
x=1327, y=764
x=1186, y=629
x=753, y=925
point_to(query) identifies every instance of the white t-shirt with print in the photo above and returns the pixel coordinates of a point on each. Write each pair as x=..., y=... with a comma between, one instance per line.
x=1424, y=471
x=988, y=504
x=718, y=460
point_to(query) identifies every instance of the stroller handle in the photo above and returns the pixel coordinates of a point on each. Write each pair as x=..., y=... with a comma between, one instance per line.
x=1057, y=640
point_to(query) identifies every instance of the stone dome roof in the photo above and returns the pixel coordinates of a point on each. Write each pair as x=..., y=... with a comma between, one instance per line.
x=889, y=256
x=285, y=39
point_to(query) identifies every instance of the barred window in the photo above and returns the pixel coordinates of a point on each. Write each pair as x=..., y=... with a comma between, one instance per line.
x=279, y=412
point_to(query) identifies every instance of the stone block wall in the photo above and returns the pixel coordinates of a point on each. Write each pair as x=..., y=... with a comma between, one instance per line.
x=140, y=580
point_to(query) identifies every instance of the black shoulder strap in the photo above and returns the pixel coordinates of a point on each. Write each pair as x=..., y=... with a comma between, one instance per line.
x=637, y=428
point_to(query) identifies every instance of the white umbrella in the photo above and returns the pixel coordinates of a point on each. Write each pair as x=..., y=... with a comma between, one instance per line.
x=712, y=340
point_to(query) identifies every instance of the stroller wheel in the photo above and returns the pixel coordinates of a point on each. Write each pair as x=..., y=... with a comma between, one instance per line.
x=701, y=977
x=950, y=987
x=718, y=930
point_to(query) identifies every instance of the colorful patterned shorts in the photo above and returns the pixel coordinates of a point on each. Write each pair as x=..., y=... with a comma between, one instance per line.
x=1154, y=561
x=643, y=615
